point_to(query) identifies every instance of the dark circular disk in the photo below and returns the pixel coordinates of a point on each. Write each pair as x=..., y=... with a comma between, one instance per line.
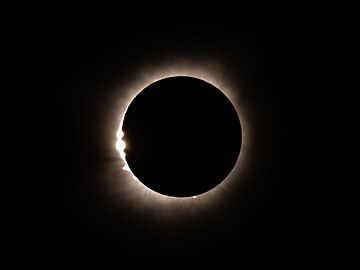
x=183, y=136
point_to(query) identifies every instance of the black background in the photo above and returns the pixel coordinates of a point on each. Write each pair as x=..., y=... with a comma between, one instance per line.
x=287, y=58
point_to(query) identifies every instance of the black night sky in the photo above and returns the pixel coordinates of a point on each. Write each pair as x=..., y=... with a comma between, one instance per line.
x=282, y=207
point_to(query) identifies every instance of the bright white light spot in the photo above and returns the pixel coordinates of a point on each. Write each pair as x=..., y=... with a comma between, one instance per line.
x=126, y=168
x=120, y=146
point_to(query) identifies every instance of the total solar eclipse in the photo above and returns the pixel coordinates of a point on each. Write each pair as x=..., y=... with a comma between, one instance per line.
x=181, y=136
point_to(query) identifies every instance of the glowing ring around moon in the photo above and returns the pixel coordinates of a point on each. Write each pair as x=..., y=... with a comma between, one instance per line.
x=207, y=74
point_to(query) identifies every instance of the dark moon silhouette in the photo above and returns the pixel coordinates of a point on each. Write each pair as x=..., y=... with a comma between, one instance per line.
x=183, y=136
